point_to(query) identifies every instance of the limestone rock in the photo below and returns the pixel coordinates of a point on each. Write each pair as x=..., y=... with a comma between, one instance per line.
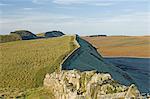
x=73, y=84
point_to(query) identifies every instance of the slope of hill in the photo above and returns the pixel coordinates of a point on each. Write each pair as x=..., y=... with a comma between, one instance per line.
x=50, y=34
x=23, y=64
x=130, y=46
x=9, y=38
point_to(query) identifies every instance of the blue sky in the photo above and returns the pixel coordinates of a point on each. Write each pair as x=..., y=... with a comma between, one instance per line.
x=83, y=17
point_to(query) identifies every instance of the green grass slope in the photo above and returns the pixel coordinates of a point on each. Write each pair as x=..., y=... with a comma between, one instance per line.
x=23, y=64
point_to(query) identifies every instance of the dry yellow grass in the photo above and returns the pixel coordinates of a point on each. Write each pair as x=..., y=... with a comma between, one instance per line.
x=23, y=64
x=131, y=46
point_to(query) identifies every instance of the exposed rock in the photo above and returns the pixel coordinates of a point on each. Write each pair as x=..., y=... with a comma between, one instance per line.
x=54, y=34
x=73, y=84
x=25, y=35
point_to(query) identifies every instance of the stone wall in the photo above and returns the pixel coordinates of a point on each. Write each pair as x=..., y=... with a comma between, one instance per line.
x=73, y=84
x=85, y=58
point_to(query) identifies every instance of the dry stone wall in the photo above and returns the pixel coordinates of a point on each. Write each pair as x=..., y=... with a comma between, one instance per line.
x=73, y=84
x=85, y=58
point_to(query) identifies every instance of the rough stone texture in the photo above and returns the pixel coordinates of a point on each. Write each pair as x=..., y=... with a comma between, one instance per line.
x=73, y=84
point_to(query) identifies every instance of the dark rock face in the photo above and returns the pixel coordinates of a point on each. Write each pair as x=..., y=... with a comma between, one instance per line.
x=25, y=35
x=54, y=34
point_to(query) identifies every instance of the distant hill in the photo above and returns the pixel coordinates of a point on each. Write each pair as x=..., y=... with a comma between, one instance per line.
x=97, y=36
x=50, y=34
x=24, y=64
x=8, y=38
x=53, y=34
x=25, y=34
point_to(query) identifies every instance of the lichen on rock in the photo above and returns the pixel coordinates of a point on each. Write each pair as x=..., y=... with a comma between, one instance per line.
x=73, y=84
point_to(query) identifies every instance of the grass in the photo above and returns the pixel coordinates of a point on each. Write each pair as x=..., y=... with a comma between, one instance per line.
x=8, y=38
x=23, y=64
x=40, y=93
x=40, y=35
x=138, y=46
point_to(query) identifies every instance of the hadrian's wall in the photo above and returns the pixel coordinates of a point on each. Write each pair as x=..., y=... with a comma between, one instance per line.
x=85, y=57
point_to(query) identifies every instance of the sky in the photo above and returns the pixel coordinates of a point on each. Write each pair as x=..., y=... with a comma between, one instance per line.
x=83, y=17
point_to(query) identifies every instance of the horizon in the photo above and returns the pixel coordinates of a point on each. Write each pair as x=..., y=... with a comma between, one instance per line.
x=82, y=17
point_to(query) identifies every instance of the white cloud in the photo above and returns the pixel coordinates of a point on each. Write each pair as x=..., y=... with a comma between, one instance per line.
x=4, y=4
x=89, y=2
x=40, y=1
x=133, y=17
x=134, y=23
x=70, y=2
x=67, y=2
x=28, y=8
x=96, y=2
x=103, y=4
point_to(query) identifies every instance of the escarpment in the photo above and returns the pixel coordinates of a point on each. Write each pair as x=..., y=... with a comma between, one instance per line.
x=86, y=58
x=85, y=75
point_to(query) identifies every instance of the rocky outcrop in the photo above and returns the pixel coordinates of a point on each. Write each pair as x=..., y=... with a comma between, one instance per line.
x=53, y=34
x=25, y=35
x=73, y=84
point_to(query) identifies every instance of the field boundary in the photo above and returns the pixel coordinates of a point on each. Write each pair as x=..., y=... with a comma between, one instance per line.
x=72, y=52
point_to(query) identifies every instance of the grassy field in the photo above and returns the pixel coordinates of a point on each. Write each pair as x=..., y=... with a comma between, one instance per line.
x=137, y=46
x=23, y=64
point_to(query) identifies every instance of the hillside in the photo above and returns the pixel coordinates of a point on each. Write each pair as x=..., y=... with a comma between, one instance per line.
x=50, y=34
x=25, y=63
x=130, y=46
x=9, y=38
x=25, y=34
